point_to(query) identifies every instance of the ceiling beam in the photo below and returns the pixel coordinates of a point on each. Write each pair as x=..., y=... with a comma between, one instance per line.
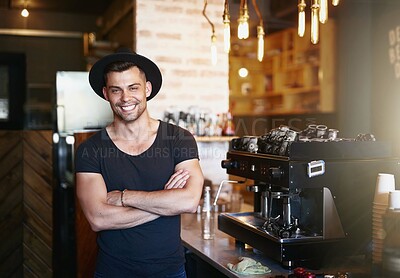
x=41, y=33
x=115, y=13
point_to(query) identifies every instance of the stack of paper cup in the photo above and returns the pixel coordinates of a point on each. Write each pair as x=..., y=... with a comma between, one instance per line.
x=394, y=200
x=384, y=184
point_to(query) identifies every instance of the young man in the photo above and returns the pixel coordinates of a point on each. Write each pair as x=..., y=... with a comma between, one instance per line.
x=136, y=176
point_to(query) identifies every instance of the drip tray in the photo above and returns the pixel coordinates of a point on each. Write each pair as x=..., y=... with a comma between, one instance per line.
x=253, y=222
x=247, y=228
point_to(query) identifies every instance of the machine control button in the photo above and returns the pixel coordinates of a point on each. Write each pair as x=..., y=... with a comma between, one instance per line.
x=253, y=188
x=244, y=166
x=253, y=168
x=229, y=164
x=276, y=172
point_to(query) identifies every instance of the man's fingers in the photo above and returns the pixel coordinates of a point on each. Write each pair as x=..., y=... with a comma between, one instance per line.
x=178, y=179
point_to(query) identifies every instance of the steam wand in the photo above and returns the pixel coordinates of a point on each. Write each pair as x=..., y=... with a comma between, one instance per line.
x=220, y=187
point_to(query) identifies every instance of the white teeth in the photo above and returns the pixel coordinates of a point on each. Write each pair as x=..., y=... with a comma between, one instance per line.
x=128, y=108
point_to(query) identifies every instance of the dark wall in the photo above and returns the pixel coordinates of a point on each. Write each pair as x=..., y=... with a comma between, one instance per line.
x=368, y=88
x=385, y=72
x=123, y=32
x=354, y=67
x=45, y=55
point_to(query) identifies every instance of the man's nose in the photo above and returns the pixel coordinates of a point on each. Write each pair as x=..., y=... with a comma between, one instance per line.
x=127, y=94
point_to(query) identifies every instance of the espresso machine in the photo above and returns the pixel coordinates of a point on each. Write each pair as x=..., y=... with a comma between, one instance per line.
x=313, y=193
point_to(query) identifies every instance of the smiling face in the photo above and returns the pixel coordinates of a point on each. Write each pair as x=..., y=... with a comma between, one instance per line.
x=127, y=91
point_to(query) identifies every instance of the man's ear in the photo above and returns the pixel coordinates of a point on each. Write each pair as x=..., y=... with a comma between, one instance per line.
x=149, y=88
x=105, y=93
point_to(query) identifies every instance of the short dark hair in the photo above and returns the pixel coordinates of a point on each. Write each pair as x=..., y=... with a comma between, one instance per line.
x=120, y=66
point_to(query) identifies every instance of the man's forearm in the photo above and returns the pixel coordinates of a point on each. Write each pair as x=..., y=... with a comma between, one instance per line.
x=164, y=202
x=116, y=217
x=181, y=194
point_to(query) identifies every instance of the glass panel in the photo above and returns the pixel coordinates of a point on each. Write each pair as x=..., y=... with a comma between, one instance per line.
x=4, y=89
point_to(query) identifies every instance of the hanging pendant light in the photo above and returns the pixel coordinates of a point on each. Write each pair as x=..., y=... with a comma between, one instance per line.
x=25, y=12
x=260, y=33
x=314, y=22
x=243, y=27
x=213, y=37
x=302, y=18
x=260, y=43
x=319, y=14
x=323, y=11
x=227, y=27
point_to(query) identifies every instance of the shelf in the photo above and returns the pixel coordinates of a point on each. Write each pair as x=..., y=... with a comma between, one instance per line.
x=288, y=91
x=297, y=77
x=301, y=90
x=290, y=112
x=273, y=95
x=214, y=138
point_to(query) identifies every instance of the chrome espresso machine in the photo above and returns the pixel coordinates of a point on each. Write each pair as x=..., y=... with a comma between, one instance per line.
x=313, y=193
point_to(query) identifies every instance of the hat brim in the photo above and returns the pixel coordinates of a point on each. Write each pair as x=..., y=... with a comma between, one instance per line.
x=153, y=73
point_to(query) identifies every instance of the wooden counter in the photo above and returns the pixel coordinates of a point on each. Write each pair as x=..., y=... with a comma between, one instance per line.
x=223, y=249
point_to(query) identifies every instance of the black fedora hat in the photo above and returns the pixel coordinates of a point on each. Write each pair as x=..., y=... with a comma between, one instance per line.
x=153, y=73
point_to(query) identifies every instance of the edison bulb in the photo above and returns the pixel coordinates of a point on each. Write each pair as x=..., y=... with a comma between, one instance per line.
x=323, y=11
x=314, y=22
x=243, y=29
x=214, y=57
x=227, y=37
x=302, y=18
x=260, y=43
x=25, y=13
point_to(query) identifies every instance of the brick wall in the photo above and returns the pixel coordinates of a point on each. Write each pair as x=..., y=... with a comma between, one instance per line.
x=176, y=35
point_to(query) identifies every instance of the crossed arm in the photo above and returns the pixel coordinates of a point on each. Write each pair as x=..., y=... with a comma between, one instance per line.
x=104, y=211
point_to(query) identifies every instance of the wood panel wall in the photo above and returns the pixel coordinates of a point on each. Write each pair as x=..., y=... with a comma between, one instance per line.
x=86, y=245
x=11, y=205
x=26, y=183
x=38, y=197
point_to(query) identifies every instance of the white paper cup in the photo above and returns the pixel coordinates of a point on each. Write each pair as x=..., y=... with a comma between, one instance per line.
x=394, y=199
x=384, y=184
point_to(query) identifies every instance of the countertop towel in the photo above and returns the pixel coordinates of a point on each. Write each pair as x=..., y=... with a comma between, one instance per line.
x=248, y=266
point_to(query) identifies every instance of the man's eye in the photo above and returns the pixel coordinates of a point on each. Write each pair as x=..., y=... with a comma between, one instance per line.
x=115, y=91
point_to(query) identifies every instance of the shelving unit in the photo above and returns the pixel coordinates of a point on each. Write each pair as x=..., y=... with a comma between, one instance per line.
x=94, y=49
x=295, y=77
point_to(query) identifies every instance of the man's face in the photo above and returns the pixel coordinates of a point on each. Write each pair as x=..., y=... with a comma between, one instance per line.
x=127, y=91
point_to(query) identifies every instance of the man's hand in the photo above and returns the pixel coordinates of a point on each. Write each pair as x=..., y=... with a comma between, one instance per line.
x=177, y=180
x=114, y=198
